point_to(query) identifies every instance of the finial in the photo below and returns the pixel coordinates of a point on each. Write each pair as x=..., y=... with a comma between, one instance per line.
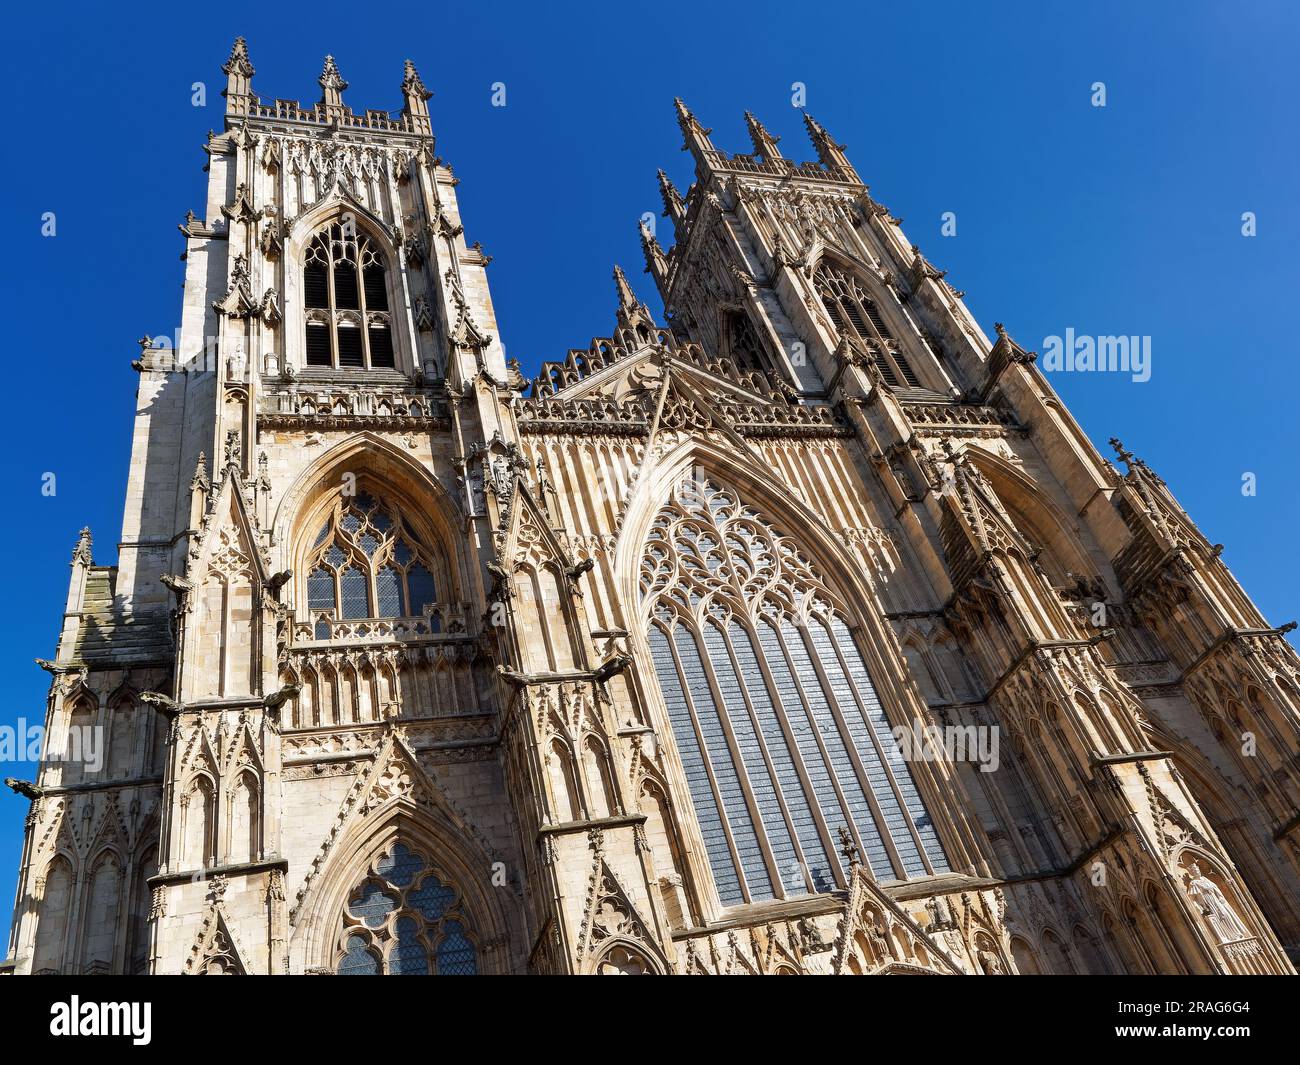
x=1121, y=453
x=1000, y=329
x=332, y=85
x=697, y=137
x=674, y=206
x=829, y=153
x=818, y=132
x=330, y=78
x=655, y=261
x=764, y=143
x=626, y=298
x=411, y=83
x=199, y=482
x=239, y=80
x=82, y=552
x=238, y=61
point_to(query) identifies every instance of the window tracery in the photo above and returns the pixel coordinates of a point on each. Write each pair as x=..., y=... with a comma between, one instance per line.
x=345, y=293
x=405, y=920
x=367, y=563
x=780, y=732
x=855, y=314
x=742, y=343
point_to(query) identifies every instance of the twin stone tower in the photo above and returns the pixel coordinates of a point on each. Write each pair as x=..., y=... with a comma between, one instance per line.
x=803, y=631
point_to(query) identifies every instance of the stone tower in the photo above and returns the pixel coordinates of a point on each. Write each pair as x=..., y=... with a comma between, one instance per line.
x=801, y=632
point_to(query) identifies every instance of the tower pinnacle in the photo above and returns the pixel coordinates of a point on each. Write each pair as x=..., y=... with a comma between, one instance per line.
x=332, y=86
x=656, y=263
x=829, y=153
x=239, y=78
x=765, y=144
x=696, y=136
x=416, y=107
x=674, y=205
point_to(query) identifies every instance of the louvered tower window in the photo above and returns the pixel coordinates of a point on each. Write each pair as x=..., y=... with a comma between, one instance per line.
x=856, y=314
x=781, y=736
x=742, y=344
x=367, y=563
x=345, y=292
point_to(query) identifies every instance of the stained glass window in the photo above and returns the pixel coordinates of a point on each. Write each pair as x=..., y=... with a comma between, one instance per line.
x=405, y=920
x=366, y=562
x=781, y=736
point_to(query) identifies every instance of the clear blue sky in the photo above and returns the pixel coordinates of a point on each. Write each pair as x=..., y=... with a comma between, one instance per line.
x=1122, y=220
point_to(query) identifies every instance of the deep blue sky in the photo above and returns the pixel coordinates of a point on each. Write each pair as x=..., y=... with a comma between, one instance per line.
x=1121, y=220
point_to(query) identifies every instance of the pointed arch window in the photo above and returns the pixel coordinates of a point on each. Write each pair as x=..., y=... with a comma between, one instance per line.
x=742, y=344
x=406, y=919
x=366, y=562
x=780, y=733
x=855, y=314
x=345, y=293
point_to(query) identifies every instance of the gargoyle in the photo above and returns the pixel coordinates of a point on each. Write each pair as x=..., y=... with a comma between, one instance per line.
x=179, y=585
x=611, y=667
x=164, y=704
x=585, y=566
x=277, y=699
x=514, y=679
x=25, y=788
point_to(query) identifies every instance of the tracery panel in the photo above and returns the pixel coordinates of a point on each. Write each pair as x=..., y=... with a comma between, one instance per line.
x=780, y=732
x=405, y=919
x=855, y=313
x=366, y=562
x=347, y=324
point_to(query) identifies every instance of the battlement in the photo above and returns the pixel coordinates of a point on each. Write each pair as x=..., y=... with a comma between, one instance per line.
x=243, y=103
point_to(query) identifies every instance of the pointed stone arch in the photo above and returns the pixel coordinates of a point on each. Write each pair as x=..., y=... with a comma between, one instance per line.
x=850, y=590
x=392, y=475
x=396, y=800
x=1049, y=525
x=656, y=480
x=821, y=791
x=102, y=909
x=53, y=938
x=332, y=208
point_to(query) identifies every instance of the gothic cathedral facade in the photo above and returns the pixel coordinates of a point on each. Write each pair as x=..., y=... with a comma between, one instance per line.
x=657, y=663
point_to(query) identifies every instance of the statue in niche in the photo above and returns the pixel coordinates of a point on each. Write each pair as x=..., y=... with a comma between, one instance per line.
x=236, y=362
x=1214, y=906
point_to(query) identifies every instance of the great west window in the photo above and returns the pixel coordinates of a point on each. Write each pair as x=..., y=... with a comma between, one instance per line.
x=781, y=736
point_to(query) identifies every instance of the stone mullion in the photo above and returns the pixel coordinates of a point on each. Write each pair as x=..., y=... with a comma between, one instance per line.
x=882, y=826
x=771, y=769
x=877, y=741
x=829, y=842
x=737, y=758
x=725, y=820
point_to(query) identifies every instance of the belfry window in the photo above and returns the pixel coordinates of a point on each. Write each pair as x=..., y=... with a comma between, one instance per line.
x=366, y=563
x=855, y=314
x=781, y=736
x=405, y=920
x=345, y=293
x=742, y=344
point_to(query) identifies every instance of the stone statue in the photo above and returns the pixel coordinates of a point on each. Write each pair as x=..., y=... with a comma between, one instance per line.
x=1215, y=907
